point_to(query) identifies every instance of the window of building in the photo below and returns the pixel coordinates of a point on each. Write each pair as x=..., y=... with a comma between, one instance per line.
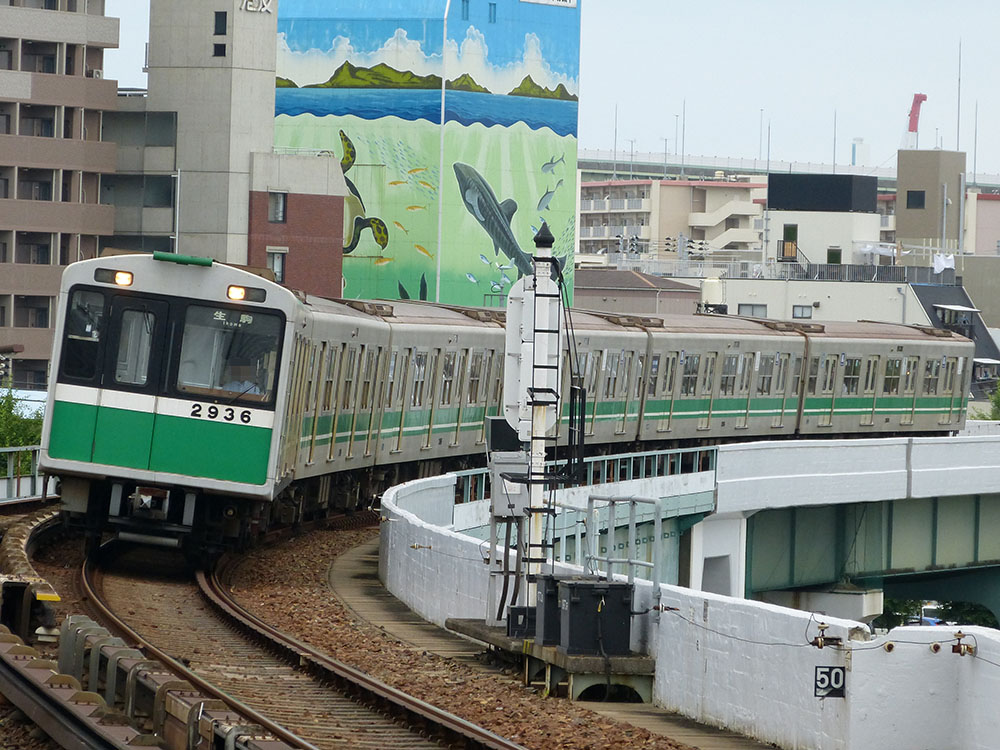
x=802, y=311
x=277, y=203
x=220, y=22
x=276, y=262
x=914, y=198
x=493, y=12
x=465, y=10
x=218, y=50
x=752, y=310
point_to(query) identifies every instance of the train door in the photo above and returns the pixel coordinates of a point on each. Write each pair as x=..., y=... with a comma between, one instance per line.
x=744, y=379
x=708, y=391
x=648, y=391
x=433, y=375
x=132, y=371
x=346, y=408
x=314, y=393
x=295, y=406
x=910, y=373
x=374, y=398
x=827, y=384
x=362, y=399
x=333, y=406
x=459, y=391
x=669, y=374
x=405, y=395
x=633, y=392
x=870, y=382
x=595, y=367
x=479, y=378
x=780, y=388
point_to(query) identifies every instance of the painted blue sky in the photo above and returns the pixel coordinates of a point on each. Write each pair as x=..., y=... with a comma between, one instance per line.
x=313, y=25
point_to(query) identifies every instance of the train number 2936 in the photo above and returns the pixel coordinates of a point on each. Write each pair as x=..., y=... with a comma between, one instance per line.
x=225, y=413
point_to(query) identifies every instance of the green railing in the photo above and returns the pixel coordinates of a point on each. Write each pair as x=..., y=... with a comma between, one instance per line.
x=19, y=477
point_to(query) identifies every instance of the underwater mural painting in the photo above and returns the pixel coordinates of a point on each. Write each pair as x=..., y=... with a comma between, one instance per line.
x=436, y=210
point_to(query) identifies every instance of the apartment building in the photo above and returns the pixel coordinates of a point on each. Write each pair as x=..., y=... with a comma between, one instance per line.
x=722, y=217
x=53, y=97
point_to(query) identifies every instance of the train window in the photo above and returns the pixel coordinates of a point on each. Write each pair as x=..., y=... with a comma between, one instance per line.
x=871, y=374
x=390, y=379
x=708, y=376
x=311, y=376
x=447, y=378
x=829, y=372
x=669, y=368
x=640, y=371
x=134, y=344
x=654, y=371
x=781, y=376
x=497, y=375
x=593, y=374
x=949, y=375
x=611, y=377
x=689, y=378
x=932, y=374
x=419, y=376
x=727, y=383
x=813, y=375
x=331, y=374
x=347, y=389
x=852, y=375
x=367, y=375
x=229, y=353
x=84, y=328
x=475, y=376
x=796, y=374
x=745, y=370
x=766, y=376
x=910, y=377
x=893, y=368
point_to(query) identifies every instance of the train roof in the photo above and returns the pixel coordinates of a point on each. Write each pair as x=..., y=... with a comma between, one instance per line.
x=870, y=329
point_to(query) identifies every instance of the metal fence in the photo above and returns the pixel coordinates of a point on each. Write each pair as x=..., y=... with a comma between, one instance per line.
x=19, y=477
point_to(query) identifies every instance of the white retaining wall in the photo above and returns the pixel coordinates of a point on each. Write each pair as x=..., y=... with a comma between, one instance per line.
x=731, y=662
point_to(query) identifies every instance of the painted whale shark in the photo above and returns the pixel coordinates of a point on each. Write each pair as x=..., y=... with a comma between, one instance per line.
x=492, y=215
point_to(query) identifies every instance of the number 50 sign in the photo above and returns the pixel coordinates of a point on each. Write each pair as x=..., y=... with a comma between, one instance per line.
x=830, y=682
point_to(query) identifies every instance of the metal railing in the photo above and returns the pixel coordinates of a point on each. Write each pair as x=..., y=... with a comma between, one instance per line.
x=19, y=477
x=474, y=484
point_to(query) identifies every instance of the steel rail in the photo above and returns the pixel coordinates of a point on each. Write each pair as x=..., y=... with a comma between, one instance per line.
x=280, y=732
x=365, y=688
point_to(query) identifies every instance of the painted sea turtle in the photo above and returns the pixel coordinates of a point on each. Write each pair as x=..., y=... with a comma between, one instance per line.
x=356, y=220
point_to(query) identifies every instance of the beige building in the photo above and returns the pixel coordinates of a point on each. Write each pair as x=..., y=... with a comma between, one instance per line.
x=930, y=197
x=52, y=100
x=611, y=290
x=722, y=217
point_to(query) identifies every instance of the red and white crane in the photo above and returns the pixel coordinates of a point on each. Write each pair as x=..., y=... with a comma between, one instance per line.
x=911, y=139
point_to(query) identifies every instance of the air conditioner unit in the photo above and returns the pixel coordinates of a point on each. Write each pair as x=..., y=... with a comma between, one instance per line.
x=98, y=74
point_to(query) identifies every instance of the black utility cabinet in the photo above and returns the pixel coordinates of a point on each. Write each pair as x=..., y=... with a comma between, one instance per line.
x=596, y=617
x=548, y=621
x=520, y=622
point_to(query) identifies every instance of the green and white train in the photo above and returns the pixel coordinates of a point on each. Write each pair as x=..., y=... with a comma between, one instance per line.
x=198, y=404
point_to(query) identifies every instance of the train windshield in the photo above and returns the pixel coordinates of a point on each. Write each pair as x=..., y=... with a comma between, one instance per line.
x=229, y=353
x=84, y=328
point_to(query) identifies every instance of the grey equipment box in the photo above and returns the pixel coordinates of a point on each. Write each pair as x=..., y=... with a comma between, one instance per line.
x=596, y=617
x=548, y=621
x=520, y=622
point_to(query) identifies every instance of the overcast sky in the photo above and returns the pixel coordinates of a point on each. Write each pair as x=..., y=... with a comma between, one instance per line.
x=800, y=62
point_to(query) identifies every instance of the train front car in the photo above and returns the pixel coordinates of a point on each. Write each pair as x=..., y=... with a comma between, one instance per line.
x=161, y=420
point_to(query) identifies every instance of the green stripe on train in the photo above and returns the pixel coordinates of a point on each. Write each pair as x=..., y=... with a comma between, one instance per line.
x=179, y=445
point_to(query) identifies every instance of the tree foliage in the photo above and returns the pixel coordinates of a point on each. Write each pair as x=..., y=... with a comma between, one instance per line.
x=17, y=427
x=993, y=413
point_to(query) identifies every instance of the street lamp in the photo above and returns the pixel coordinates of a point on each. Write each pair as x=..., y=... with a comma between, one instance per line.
x=665, y=141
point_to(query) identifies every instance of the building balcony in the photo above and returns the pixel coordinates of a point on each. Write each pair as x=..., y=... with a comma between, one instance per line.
x=744, y=236
x=51, y=216
x=887, y=222
x=602, y=206
x=57, y=153
x=75, y=28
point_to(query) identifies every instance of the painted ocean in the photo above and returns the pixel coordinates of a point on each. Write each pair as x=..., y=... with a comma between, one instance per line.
x=464, y=107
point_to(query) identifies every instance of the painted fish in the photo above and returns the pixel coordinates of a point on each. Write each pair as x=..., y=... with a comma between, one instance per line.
x=424, y=251
x=418, y=170
x=505, y=278
x=545, y=200
x=398, y=182
x=401, y=227
x=484, y=259
x=493, y=216
x=504, y=267
x=496, y=286
x=416, y=208
x=426, y=185
x=472, y=278
x=550, y=166
x=383, y=261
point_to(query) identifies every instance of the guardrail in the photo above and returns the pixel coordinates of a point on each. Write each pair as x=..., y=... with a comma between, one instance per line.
x=19, y=477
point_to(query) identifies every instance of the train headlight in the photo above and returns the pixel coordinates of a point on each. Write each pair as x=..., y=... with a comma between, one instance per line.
x=245, y=293
x=110, y=276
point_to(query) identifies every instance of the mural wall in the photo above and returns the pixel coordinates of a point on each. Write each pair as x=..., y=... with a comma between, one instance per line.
x=437, y=211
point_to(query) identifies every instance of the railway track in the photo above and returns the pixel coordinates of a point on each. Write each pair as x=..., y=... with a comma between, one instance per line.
x=280, y=683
